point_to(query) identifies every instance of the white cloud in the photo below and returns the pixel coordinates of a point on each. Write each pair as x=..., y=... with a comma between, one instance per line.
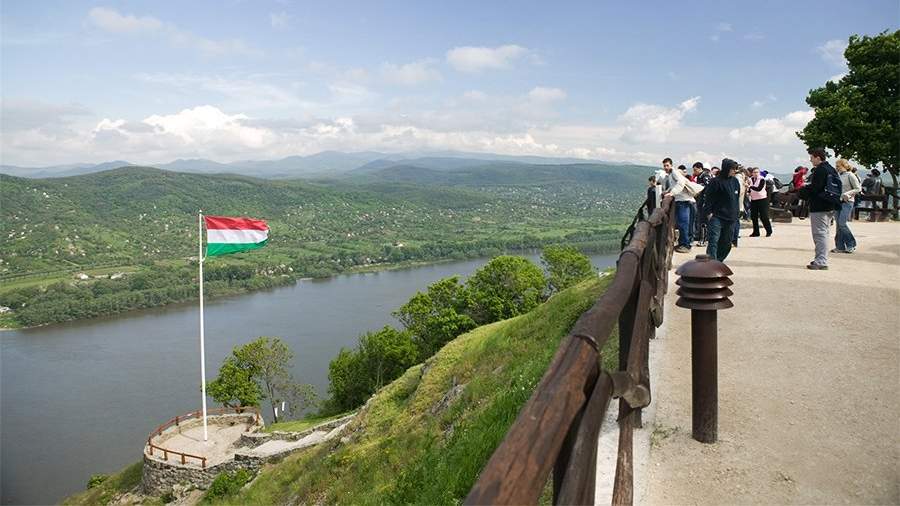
x=770, y=98
x=542, y=94
x=279, y=19
x=410, y=74
x=476, y=59
x=833, y=52
x=719, y=29
x=247, y=91
x=111, y=20
x=773, y=131
x=475, y=95
x=347, y=93
x=837, y=77
x=653, y=123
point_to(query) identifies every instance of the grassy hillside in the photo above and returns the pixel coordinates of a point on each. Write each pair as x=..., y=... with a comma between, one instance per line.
x=143, y=222
x=425, y=437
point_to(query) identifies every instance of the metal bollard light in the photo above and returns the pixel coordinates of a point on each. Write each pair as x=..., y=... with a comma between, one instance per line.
x=704, y=290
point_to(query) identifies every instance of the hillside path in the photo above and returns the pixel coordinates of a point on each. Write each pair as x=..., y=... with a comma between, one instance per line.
x=809, y=380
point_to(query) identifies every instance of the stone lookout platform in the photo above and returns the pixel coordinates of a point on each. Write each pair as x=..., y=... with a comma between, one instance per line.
x=176, y=454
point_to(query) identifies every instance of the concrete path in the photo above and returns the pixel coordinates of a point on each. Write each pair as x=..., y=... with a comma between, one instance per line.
x=809, y=380
x=278, y=446
x=218, y=448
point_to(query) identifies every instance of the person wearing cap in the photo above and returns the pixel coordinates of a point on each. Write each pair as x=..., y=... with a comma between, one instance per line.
x=720, y=206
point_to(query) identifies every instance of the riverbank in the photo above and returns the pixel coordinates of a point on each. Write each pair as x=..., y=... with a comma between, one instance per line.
x=9, y=321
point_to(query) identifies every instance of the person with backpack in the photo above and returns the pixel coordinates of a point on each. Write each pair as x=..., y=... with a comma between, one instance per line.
x=759, y=202
x=824, y=195
x=844, y=242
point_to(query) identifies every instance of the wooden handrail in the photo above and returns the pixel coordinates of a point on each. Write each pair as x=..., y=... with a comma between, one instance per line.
x=558, y=426
x=194, y=414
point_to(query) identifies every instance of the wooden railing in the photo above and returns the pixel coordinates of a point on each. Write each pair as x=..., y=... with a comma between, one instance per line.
x=187, y=416
x=558, y=427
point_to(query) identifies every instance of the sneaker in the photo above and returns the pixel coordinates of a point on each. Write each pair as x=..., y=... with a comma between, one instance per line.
x=769, y=234
x=753, y=235
x=817, y=267
x=682, y=249
x=849, y=251
x=837, y=250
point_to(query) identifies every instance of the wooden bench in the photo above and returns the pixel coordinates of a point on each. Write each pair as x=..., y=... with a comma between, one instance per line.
x=876, y=213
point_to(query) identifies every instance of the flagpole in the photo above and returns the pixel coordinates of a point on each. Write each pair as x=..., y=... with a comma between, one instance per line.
x=202, y=351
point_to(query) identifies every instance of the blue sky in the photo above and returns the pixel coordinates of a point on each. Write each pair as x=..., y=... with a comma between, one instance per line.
x=149, y=82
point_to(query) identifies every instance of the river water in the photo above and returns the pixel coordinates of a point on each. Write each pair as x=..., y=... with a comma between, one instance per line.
x=80, y=398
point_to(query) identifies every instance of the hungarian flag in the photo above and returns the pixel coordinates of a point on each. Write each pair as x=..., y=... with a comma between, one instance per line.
x=226, y=235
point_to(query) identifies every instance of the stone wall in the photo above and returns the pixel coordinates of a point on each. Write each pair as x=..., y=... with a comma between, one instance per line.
x=160, y=477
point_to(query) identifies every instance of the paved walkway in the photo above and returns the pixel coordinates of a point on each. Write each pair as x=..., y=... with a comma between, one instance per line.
x=809, y=381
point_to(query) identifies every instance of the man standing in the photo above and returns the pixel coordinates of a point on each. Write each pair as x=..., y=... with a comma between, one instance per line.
x=821, y=207
x=720, y=207
x=684, y=207
x=701, y=176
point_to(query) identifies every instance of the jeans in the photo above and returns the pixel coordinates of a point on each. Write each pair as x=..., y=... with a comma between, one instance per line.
x=719, y=231
x=843, y=239
x=820, y=225
x=684, y=219
x=759, y=209
x=736, y=231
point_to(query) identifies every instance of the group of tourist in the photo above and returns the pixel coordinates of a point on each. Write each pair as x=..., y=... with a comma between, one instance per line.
x=709, y=203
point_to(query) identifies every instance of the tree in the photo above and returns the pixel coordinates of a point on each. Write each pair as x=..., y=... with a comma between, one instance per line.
x=566, y=266
x=859, y=116
x=506, y=286
x=386, y=354
x=234, y=387
x=437, y=316
x=381, y=357
x=259, y=370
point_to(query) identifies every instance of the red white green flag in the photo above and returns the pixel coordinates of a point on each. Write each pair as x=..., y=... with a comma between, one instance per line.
x=225, y=235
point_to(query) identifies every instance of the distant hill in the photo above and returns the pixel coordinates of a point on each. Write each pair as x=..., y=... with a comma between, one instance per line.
x=478, y=173
x=326, y=164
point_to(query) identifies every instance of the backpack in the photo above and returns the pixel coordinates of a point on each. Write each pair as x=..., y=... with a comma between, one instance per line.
x=833, y=188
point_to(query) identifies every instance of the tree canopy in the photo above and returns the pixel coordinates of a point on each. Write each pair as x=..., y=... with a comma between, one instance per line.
x=566, y=266
x=506, y=286
x=858, y=116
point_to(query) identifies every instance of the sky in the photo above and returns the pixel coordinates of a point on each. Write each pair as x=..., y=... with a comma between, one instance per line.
x=150, y=82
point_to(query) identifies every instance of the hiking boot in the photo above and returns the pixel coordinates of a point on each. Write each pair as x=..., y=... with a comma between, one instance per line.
x=817, y=267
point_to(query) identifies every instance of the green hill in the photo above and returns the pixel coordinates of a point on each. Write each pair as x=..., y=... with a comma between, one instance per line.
x=143, y=222
x=425, y=437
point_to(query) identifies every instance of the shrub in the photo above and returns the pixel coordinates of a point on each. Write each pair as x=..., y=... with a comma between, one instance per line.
x=227, y=484
x=96, y=480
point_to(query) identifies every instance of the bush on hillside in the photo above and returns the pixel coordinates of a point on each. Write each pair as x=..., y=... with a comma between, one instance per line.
x=566, y=266
x=506, y=286
x=437, y=316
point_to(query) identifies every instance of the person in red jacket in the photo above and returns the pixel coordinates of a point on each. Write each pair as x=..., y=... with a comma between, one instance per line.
x=798, y=182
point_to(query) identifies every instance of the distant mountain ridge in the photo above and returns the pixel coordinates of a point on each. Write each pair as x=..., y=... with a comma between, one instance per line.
x=326, y=164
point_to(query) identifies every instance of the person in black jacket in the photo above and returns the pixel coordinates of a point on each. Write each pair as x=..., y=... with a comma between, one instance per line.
x=821, y=211
x=720, y=207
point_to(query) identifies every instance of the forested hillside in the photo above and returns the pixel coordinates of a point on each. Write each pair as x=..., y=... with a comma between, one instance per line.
x=143, y=222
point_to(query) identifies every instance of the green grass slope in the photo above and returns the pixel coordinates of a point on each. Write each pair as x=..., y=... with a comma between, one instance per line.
x=425, y=437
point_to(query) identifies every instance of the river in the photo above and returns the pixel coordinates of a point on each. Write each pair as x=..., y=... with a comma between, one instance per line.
x=79, y=398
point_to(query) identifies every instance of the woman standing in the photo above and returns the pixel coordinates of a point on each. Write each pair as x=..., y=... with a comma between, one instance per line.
x=759, y=203
x=844, y=242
